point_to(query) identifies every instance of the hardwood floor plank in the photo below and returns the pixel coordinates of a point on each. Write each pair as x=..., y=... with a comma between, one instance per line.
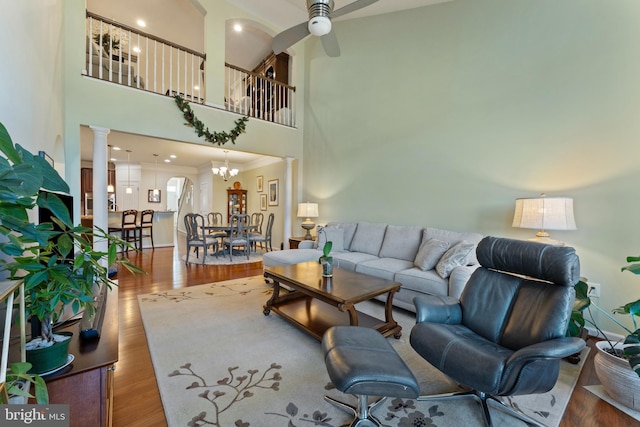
x=137, y=399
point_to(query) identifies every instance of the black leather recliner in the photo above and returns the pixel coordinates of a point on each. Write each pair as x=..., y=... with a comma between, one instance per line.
x=506, y=334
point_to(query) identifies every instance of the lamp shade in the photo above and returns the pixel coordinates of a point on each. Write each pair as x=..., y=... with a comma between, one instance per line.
x=544, y=213
x=307, y=210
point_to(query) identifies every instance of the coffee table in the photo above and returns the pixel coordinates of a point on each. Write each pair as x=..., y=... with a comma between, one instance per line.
x=315, y=303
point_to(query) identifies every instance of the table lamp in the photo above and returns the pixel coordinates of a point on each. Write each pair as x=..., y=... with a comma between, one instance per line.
x=308, y=211
x=544, y=213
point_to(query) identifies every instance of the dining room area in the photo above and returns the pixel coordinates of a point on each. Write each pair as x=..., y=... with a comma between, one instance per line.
x=167, y=180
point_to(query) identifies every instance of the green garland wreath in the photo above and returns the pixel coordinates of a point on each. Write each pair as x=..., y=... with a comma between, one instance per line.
x=219, y=138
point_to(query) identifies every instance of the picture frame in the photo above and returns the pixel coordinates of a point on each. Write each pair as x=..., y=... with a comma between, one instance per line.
x=263, y=202
x=273, y=192
x=259, y=183
x=154, y=195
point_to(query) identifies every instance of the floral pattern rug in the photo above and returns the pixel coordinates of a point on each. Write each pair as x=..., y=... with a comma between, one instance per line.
x=219, y=361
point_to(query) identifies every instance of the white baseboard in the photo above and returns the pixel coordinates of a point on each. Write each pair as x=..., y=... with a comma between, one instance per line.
x=611, y=336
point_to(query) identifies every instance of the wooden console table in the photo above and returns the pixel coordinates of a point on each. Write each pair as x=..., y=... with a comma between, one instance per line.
x=86, y=385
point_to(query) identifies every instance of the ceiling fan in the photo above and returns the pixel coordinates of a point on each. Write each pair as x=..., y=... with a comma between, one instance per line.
x=320, y=14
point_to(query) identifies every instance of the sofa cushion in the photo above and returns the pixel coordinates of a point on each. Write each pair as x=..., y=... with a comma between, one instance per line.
x=455, y=256
x=430, y=252
x=349, y=230
x=368, y=238
x=349, y=260
x=453, y=237
x=331, y=234
x=401, y=242
x=426, y=282
x=385, y=268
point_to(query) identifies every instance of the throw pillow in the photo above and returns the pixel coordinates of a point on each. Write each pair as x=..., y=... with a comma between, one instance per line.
x=330, y=234
x=454, y=257
x=429, y=254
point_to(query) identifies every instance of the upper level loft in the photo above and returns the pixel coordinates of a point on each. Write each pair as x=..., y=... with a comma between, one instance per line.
x=124, y=55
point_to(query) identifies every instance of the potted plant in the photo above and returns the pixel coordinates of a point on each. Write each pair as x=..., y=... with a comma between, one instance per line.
x=617, y=365
x=107, y=43
x=18, y=384
x=577, y=322
x=326, y=260
x=58, y=265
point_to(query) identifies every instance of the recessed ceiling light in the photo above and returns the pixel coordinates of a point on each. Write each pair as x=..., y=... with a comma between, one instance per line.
x=196, y=87
x=167, y=161
x=136, y=49
x=238, y=28
x=173, y=156
x=116, y=148
x=141, y=23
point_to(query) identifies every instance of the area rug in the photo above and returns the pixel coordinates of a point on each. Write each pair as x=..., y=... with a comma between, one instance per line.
x=221, y=259
x=219, y=361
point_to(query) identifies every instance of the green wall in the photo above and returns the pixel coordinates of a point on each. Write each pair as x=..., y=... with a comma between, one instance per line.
x=443, y=115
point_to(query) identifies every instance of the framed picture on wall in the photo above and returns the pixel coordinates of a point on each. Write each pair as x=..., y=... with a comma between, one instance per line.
x=259, y=183
x=263, y=202
x=273, y=192
x=153, y=196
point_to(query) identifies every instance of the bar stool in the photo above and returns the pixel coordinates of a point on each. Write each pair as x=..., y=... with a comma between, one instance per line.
x=128, y=228
x=146, y=223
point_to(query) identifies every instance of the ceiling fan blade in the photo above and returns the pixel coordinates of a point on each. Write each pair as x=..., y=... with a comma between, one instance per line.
x=289, y=37
x=330, y=44
x=352, y=7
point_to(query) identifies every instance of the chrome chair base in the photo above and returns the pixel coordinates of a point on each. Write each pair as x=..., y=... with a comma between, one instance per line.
x=361, y=412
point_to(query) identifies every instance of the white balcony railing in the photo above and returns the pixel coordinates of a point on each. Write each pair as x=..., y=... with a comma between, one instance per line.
x=124, y=55
x=256, y=96
x=121, y=54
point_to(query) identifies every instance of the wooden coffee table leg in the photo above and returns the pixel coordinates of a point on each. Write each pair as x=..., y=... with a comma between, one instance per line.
x=274, y=298
x=388, y=314
x=353, y=314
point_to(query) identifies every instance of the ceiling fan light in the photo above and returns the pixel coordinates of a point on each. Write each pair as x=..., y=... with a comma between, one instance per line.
x=319, y=26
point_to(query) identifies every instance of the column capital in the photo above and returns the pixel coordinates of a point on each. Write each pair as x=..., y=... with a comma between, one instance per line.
x=100, y=130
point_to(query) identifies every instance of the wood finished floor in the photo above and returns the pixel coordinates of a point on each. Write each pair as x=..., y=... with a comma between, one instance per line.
x=136, y=396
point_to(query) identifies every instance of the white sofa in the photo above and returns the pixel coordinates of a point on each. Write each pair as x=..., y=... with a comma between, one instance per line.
x=423, y=260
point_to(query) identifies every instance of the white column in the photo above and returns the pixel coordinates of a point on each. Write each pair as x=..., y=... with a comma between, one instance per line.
x=288, y=200
x=100, y=208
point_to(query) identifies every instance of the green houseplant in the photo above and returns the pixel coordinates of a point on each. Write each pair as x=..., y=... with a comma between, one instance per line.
x=617, y=364
x=19, y=382
x=326, y=260
x=58, y=265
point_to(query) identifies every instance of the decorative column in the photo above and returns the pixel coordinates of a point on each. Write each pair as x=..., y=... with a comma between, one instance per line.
x=288, y=199
x=100, y=208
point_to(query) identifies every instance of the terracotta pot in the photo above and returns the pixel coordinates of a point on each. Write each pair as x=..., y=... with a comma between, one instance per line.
x=618, y=379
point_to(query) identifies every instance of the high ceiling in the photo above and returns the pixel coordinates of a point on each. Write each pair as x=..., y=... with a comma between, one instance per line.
x=245, y=49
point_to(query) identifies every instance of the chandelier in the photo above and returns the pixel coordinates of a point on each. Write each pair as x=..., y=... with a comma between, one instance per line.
x=224, y=171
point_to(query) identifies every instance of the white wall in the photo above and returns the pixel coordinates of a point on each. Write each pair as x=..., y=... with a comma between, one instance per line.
x=31, y=88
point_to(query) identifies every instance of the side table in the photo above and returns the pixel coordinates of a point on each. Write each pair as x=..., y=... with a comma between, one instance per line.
x=295, y=241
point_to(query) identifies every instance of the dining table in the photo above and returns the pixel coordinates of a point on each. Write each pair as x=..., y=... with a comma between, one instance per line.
x=227, y=228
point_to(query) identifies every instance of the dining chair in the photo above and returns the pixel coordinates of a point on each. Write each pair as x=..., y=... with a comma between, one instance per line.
x=265, y=239
x=197, y=238
x=256, y=222
x=255, y=227
x=128, y=228
x=215, y=218
x=146, y=223
x=238, y=236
